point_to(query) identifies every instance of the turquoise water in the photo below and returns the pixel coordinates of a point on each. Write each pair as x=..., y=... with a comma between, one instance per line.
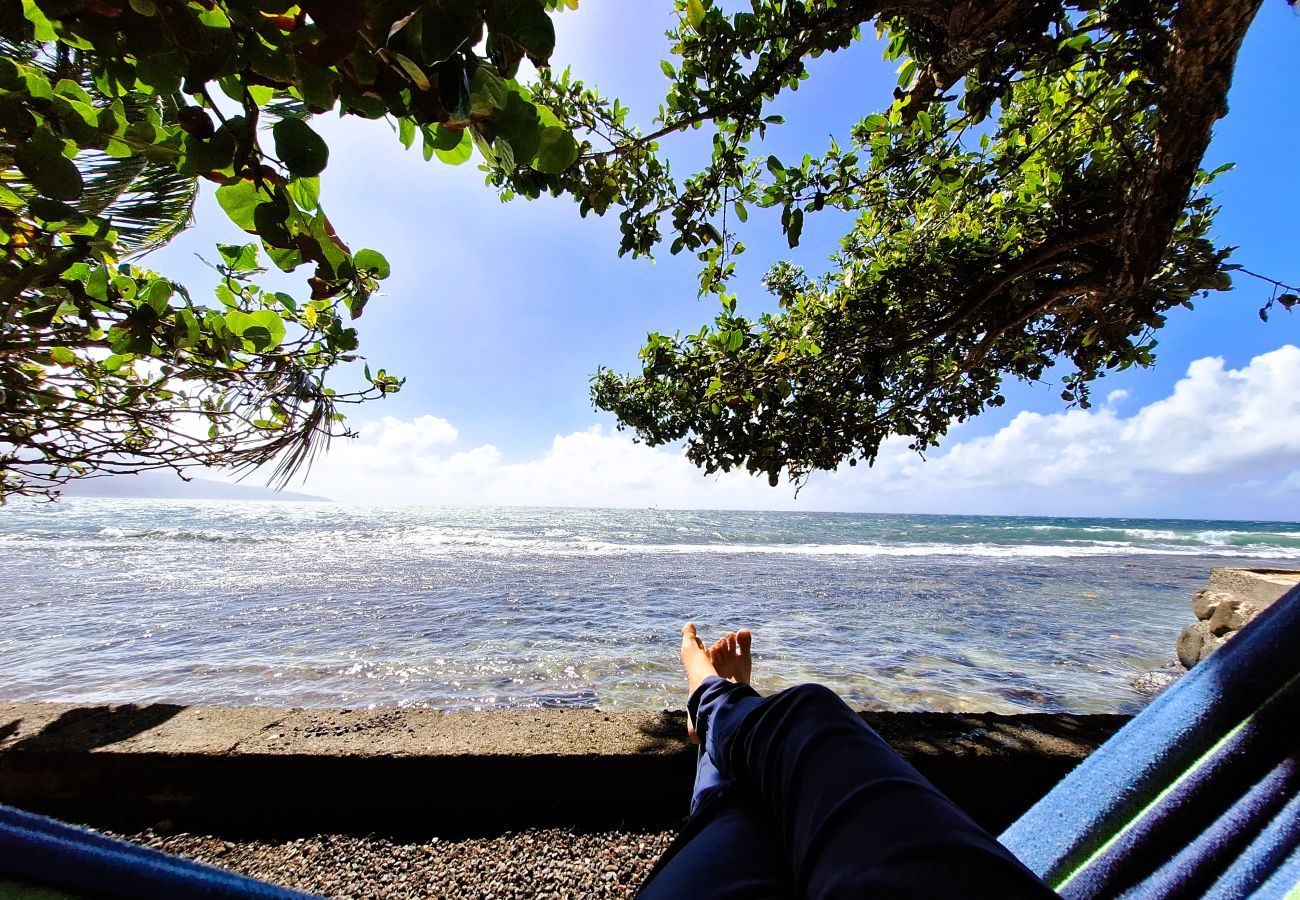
x=315, y=604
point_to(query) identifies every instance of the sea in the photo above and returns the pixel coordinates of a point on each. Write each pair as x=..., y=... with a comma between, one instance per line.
x=317, y=604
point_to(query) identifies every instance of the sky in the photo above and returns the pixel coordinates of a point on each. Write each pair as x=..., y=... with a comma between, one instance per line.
x=498, y=314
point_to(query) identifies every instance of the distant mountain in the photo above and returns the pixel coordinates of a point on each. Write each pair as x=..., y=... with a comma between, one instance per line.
x=156, y=485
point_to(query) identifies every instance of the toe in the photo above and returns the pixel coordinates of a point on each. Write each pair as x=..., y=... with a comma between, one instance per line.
x=690, y=638
x=746, y=639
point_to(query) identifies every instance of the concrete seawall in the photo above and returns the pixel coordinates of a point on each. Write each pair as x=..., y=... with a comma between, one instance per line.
x=250, y=771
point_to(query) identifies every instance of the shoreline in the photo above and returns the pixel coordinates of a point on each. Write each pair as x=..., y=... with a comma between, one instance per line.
x=262, y=772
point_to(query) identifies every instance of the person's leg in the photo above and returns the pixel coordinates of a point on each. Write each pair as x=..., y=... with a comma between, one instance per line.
x=855, y=818
x=728, y=848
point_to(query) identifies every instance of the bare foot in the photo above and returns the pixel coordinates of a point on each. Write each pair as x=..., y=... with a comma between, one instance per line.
x=730, y=656
x=695, y=659
x=698, y=666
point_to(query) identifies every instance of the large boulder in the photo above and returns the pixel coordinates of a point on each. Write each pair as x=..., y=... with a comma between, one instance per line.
x=1230, y=615
x=1204, y=603
x=1234, y=597
x=1190, y=642
x=1197, y=642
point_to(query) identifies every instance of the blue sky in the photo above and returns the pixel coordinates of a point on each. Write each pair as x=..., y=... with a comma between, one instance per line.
x=497, y=314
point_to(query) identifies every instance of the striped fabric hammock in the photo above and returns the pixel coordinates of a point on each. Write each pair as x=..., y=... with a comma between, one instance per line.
x=1198, y=795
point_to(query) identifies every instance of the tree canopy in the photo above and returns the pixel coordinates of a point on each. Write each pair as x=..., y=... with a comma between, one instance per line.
x=1031, y=193
x=111, y=111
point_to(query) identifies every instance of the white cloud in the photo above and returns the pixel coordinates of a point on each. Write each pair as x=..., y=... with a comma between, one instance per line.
x=419, y=434
x=1224, y=443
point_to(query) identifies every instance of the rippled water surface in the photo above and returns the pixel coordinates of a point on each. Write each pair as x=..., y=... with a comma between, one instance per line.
x=313, y=604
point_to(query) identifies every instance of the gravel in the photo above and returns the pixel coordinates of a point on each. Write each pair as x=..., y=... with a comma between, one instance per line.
x=544, y=863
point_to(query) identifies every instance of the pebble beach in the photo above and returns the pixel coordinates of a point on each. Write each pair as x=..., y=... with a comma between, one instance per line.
x=545, y=863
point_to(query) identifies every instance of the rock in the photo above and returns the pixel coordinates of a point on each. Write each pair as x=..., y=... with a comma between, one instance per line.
x=1153, y=682
x=1230, y=615
x=1204, y=603
x=1212, y=643
x=1190, y=642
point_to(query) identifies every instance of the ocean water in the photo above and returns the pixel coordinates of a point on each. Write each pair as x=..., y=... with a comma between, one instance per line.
x=317, y=604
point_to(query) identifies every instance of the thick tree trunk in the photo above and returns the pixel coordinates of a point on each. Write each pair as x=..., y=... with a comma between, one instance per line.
x=1197, y=73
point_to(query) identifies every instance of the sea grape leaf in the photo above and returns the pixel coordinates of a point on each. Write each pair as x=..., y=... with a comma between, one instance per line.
x=373, y=261
x=557, y=151
x=526, y=23
x=240, y=201
x=447, y=26
x=299, y=148
x=42, y=162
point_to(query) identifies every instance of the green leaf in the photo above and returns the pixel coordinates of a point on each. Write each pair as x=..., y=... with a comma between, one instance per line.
x=299, y=148
x=240, y=201
x=239, y=257
x=459, y=152
x=63, y=356
x=264, y=329
x=526, y=23
x=372, y=261
x=519, y=124
x=439, y=137
x=285, y=260
x=42, y=162
x=305, y=193
x=187, y=328
x=907, y=73
x=52, y=211
x=695, y=13
x=271, y=221
x=406, y=132
x=794, y=227
x=446, y=27
x=557, y=150
x=158, y=295
x=319, y=88
x=488, y=91
x=412, y=70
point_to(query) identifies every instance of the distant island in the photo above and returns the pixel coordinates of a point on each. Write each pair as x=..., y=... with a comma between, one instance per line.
x=168, y=485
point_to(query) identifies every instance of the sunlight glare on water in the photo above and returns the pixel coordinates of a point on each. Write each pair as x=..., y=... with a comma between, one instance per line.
x=317, y=604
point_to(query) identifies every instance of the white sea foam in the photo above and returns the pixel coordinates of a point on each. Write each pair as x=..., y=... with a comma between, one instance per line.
x=441, y=541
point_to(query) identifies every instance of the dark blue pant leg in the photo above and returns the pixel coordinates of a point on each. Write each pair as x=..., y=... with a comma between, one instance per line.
x=855, y=819
x=729, y=850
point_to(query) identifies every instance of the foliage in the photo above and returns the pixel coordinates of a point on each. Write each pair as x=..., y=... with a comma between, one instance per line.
x=109, y=113
x=1030, y=194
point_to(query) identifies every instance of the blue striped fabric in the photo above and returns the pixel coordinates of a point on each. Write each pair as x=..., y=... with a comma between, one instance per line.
x=1197, y=795
x=1266, y=855
x=44, y=852
x=1227, y=842
x=1285, y=883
